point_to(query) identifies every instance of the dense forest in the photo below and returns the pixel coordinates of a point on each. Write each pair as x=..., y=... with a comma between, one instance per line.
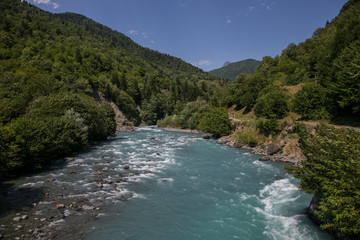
x=52, y=65
x=232, y=70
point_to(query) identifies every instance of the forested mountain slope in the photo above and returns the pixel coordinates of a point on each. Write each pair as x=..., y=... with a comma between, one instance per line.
x=326, y=65
x=51, y=66
x=232, y=70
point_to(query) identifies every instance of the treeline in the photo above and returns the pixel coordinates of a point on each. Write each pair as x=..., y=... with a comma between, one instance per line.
x=51, y=66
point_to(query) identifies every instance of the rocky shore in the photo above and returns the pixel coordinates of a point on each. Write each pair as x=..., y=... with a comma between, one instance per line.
x=282, y=150
x=60, y=204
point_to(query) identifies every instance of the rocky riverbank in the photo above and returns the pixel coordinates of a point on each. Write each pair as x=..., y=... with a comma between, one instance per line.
x=284, y=148
x=61, y=201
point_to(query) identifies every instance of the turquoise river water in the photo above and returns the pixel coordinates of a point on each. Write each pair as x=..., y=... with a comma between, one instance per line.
x=190, y=188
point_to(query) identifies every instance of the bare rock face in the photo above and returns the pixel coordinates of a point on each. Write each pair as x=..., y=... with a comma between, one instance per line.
x=272, y=148
x=122, y=123
x=311, y=210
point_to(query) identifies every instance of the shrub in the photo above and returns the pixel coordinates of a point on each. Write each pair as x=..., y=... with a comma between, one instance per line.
x=310, y=103
x=269, y=126
x=272, y=104
x=216, y=121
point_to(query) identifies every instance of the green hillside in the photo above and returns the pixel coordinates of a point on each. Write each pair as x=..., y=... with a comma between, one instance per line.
x=327, y=65
x=51, y=67
x=232, y=70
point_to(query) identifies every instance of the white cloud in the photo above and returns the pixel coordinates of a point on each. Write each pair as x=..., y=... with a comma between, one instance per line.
x=133, y=32
x=228, y=21
x=145, y=35
x=47, y=2
x=203, y=63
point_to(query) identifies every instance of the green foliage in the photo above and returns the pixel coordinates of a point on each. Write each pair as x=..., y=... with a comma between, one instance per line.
x=347, y=86
x=53, y=126
x=157, y=108
x=232, y=70
x=248, y=135
x=310, y=103
x=269, y=126
x=332, y=171
x=188, y=118
x=52, y=66
x=215, y=121
x=272, y=104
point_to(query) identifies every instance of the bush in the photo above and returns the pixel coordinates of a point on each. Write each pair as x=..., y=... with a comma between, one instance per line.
x=216, y=121
x=310, y=103
x=269, y=126
x=272, y=104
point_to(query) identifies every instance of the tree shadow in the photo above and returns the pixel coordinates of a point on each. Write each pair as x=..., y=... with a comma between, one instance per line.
x=17, y=199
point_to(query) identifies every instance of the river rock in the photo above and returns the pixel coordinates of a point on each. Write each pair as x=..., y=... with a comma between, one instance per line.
x=291, y=128
x=105, y=169
x=312, y=208
x=265, y=158
x=17, y=219
x=50, y=180
x=69, y=159
x=24, y=217
x=272, y=148
x=206, y=137
x=72, y=171
x=87, y=208
x=126, y=167
x=58, y=206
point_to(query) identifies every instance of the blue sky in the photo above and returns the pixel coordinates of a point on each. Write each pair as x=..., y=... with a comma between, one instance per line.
x=207, y=33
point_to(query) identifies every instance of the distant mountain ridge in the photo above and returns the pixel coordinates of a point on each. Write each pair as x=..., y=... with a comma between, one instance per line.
x=232, y=70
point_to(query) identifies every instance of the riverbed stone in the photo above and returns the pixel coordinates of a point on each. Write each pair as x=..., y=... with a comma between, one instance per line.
x=272, y=148
x=58, y=206
x=87, y=208
x=24, y=217
x=126, y=167
x=17, y=219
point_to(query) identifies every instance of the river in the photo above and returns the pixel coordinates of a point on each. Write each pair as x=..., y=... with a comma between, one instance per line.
x=154, y=184
x=198, y=189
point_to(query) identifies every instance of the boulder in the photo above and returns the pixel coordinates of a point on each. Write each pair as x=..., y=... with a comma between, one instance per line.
x=206, y=137
x=312, y=208
x=272, y=148
x=17, y=219
x=291, y=128
x=126, y=167
x=87, y=208
x=265, y=158
x=24, y=217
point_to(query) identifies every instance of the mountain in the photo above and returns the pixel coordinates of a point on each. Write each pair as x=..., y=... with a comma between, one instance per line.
x=232, y=70
x=54, y=67
x=226, y=63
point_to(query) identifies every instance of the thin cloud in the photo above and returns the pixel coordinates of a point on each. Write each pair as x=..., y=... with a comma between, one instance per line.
x=133, y=32
x=202, y=63
x=228, y=21
x=50, y=3
x=262, y=4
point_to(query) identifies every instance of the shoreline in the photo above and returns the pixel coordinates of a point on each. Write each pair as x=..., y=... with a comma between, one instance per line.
x=171, y=129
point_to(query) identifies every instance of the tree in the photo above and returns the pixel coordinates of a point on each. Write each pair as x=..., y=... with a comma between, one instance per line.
x=272, y=105
x=216, y=121
x=310, y=103
x=347, y=86
x=332, y=172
